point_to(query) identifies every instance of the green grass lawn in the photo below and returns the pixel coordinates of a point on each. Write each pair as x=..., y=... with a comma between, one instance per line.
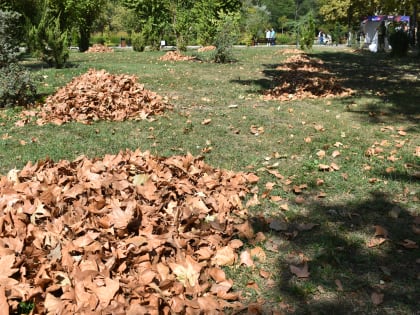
x=370, y=139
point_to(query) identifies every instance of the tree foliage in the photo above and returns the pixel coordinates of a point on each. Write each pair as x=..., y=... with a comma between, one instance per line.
x=227, y=32
x=16, y=84
x=350, y=12
x=307, y=31
x=9, y=37
x=254, y=20
x=49, y=42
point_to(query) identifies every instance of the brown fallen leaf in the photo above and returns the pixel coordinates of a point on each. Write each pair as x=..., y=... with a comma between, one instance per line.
x=321, y=154
x=335, y=153
x=376, y=241
x=4, y=306
x=377, y=298
x=339, y=285
x=284, y=207
x=300, y=272
x=224, y=256
x=265, y=274
x=324, y=167
x=306, y=226
x=258, y=253
x=278, y=225
x=246, y=259
x=380, y=231
x=409, y=244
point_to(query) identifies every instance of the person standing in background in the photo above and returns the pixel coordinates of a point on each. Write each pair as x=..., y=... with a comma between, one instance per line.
x=273, y=37
x=381, y=36
x=268, y=36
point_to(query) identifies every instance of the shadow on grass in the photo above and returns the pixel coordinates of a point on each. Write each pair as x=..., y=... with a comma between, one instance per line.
x=394, y=82
x=391, y=84
x=345, y=270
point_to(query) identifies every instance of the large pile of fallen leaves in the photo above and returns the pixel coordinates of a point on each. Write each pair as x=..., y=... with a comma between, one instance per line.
x=175, y=56
x=98, y=48
x=98, y=95
x=127, y=234
x=302, y=77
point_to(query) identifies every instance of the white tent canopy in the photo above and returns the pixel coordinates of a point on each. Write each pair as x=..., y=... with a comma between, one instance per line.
x=370, y=24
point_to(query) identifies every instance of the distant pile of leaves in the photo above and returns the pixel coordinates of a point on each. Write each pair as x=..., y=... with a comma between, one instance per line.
x=129, y=233
x=301, y=77
x=176, y=56
x=99, y=48
x=206, y=48
x=98, y=95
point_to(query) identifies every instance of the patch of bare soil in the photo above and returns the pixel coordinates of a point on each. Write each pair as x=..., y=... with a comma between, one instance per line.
x=126, y=234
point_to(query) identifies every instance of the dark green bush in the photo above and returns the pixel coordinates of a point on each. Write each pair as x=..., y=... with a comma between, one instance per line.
x=16, y=86
x=9, y=37
x=399, y=42
x=226, y=35
x=138, y=41
x=285, y=39
x=307, y=32
x=49, y=42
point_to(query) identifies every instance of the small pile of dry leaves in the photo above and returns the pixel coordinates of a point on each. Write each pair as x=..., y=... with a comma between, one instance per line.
x=175, y=56
x=126, y=234
x=98, y=95
x=302, y=77
x=206, y=48
x=290, y=51
x=98, y=48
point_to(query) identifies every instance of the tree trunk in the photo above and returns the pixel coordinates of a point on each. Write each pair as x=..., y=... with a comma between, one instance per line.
x=84, y=39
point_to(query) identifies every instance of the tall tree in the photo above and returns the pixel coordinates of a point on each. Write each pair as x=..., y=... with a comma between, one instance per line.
x=350, y=12
x=82, y=15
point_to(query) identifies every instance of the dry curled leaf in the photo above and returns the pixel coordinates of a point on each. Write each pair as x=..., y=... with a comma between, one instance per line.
x=377, y=298
x=300, y=271
x=381, y=231
x=376, y=241
x=246, y=259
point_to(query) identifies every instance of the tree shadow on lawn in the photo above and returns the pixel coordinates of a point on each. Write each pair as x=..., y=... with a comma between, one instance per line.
x=394, y=82
x=344, y=269
x=391, y=84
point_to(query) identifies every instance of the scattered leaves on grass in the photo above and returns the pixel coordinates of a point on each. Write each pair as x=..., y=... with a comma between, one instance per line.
x=129, y=232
